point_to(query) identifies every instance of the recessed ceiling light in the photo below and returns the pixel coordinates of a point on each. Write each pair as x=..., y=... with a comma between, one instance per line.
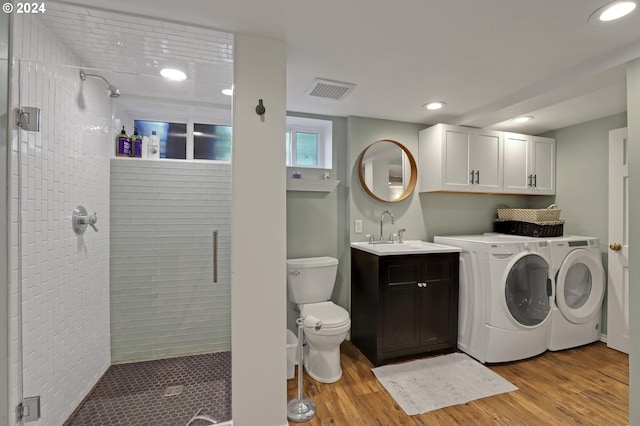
x=522, y=119
x=434, y=105
x=173, y=74
x=228, y=92
x=612, y=11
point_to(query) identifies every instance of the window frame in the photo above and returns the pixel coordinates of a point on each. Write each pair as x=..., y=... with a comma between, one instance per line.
x=293, y=146
x=324, y=131
x=190, y=123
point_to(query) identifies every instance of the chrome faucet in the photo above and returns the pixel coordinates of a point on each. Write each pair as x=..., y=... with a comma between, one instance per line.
x=393, y=220
x=400, y=232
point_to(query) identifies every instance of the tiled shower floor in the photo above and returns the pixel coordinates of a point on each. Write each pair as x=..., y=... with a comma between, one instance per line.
x=162, y=392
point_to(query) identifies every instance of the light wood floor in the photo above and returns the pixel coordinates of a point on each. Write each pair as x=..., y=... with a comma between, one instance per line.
x=582, y=386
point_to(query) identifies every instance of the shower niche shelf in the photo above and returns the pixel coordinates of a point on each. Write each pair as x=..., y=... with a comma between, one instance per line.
x=312, y=185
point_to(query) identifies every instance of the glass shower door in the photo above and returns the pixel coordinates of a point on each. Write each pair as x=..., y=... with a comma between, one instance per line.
x=139, y=299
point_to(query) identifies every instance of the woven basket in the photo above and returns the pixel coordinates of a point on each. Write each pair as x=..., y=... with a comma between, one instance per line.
x=540, y=229
x=550, y=214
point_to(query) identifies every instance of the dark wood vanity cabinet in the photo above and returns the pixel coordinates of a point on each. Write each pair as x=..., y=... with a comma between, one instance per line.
x=403, y=305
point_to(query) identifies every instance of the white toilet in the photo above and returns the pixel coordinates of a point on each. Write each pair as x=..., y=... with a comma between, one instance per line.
x=311, y=282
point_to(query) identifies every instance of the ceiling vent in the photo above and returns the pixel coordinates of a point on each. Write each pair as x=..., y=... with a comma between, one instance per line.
x=328, y=89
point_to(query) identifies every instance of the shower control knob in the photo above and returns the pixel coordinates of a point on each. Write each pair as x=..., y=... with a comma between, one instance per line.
x=81, y=219
x=91, y=221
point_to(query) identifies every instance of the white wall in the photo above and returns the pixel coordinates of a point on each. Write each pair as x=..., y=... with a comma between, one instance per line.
x=633, y=124
x=258, y=249
x=64, y=278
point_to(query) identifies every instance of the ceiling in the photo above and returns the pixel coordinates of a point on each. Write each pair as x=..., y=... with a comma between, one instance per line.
x=489, y=61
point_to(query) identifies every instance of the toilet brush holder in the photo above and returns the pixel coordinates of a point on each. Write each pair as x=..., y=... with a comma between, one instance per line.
x=300, y=409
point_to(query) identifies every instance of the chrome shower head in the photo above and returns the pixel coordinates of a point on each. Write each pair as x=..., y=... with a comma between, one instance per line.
x=114, y=92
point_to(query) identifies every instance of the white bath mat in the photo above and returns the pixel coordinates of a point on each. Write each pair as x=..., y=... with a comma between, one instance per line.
x=425, y=385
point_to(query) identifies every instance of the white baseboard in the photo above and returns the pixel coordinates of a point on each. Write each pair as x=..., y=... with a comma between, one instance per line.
x=603, y=338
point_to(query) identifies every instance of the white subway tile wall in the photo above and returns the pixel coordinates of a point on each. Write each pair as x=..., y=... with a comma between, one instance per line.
x=65, y=277
x=163, y=299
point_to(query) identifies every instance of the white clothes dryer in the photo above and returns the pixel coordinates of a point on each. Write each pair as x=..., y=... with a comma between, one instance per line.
x=576, y=266
x=506, y=296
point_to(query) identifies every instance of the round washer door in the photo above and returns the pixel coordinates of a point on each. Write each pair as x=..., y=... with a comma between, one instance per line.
x=580, y=285
x=528, y=290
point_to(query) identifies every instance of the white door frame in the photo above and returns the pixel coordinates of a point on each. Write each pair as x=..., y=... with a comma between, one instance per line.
x=618, y=263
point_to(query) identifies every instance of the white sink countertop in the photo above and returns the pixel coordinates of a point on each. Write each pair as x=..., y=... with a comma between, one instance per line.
x=406, y=247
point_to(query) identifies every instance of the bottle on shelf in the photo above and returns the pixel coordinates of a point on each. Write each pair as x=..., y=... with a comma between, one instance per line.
x=136, y=144
x=123, y=144
x=154, y=146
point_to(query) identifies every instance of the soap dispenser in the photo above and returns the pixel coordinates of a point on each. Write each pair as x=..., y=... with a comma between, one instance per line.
x=136, y=144
x=123, y=144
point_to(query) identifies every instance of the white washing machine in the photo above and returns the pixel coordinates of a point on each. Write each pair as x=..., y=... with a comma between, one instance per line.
x=576, y=266
x=506, y=296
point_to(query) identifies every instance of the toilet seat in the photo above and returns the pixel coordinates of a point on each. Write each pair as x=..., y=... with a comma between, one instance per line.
x=331, y=315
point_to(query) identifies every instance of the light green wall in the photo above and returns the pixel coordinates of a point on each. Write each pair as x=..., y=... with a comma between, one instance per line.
x=582, y=184
x=582, y=187
x=4, y=239
x=460, y=214
x=633, y=111
x=424, y=215
x=316, y=221
x=363, y=132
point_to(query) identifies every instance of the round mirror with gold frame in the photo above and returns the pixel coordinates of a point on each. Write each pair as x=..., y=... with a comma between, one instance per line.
x=387, y=171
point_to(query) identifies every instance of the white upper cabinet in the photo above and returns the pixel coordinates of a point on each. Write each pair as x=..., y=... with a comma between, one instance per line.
x=460, y=159
x=464, y=159
x=529, y=165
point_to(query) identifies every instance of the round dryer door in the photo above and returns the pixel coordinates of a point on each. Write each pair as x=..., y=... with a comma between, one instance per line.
x=528, y=290
x=580, y=285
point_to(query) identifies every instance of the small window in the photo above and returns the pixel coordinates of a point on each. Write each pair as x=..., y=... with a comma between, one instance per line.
x=308, y=143
x=188, y=140
x=211, y=142
x=305, y=148
x=173, y=137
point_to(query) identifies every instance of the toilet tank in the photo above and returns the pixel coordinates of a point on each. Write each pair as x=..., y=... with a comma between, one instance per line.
x=311, y=279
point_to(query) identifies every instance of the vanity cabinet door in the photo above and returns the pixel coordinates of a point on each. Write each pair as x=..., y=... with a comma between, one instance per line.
x=401, y=304
x=439, y=302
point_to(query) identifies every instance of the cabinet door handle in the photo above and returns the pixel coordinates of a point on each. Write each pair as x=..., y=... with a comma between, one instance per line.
x=530, y=179
x=471, y=181
x=535, y=181
x=478, y=177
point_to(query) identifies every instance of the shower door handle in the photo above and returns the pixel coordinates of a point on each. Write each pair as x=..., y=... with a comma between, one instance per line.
x=215, y=257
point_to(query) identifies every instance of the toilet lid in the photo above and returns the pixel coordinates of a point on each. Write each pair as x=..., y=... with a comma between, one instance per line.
x=329, y=313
